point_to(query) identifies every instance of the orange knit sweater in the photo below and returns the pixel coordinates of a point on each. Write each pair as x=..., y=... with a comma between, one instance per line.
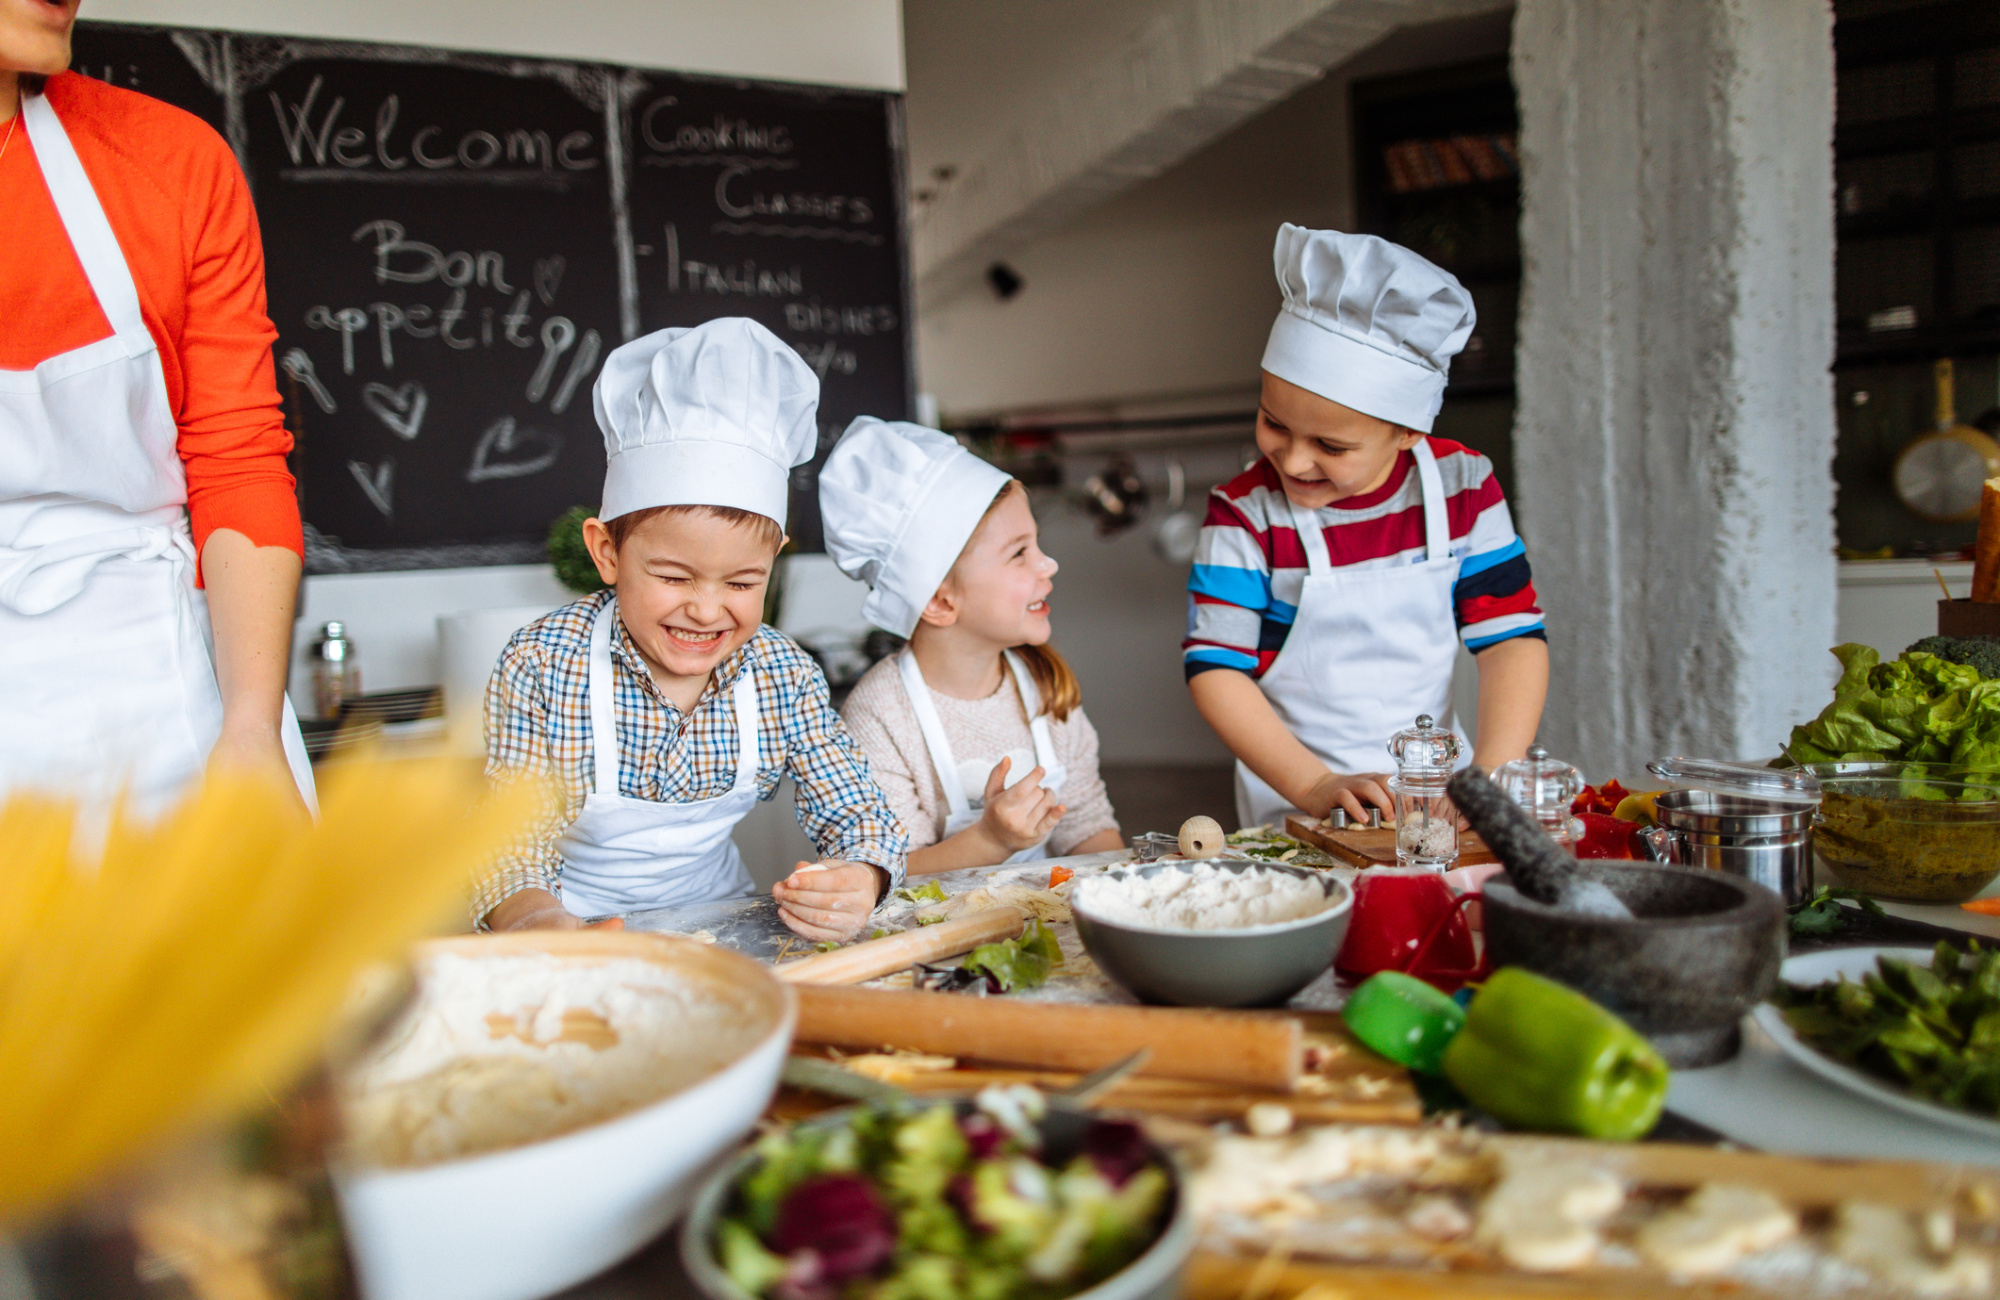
x=181, y=211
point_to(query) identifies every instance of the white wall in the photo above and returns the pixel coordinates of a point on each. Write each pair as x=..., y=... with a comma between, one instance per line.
x=828, y=42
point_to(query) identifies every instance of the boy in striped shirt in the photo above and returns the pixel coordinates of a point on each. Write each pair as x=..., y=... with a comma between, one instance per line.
x=1335, y=578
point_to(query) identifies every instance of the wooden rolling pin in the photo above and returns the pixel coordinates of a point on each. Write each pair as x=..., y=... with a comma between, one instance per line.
x=1246, y=1049
x=894, y=952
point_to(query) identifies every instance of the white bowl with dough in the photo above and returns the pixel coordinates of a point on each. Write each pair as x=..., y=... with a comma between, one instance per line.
x=534, y=1218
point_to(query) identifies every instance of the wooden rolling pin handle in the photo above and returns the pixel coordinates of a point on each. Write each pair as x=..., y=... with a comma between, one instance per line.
x=1246, y=1049
x=865, y=961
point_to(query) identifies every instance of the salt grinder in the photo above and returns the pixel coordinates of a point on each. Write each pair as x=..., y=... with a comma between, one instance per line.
x=1426, y=823
x=336, y=673
x=1545, y=787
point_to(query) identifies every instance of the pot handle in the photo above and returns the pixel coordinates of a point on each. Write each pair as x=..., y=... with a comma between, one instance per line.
x=1659, y=844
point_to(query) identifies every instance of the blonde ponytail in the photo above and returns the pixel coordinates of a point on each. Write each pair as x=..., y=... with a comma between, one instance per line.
x=1059, y=689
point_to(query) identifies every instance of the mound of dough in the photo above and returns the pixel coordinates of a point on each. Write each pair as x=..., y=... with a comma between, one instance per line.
x=1711, y=1230
x=1544, y=1217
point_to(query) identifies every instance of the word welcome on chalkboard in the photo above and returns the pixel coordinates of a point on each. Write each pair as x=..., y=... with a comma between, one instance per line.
x=453, y=242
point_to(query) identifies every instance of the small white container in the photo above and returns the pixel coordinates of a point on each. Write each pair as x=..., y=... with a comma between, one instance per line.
x=534, y=1219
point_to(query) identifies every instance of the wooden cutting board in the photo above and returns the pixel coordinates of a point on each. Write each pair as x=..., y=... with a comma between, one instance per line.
x=1375, y=846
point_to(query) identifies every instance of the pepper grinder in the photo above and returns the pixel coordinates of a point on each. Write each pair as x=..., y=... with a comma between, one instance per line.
x=1545, y=787
x=336, y=674
x=1426, y=823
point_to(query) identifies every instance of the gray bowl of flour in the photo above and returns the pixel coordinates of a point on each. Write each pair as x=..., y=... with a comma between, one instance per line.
x=1213, y=933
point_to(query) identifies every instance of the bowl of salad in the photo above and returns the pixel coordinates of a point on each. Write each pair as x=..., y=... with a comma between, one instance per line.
x=999, y=1197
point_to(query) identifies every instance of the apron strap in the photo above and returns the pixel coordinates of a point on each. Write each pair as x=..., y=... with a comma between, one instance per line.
x=1038, y=721
x=746, y=728
x=942, y=759
x=1311, y=536
x=84, y=220
x=1437, y=525
x=603, y=701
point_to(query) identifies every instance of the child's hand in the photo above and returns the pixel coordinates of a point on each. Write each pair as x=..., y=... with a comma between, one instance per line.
x=825, y=901
x=1353, y=793
x=537, y=909
x=1022, y=816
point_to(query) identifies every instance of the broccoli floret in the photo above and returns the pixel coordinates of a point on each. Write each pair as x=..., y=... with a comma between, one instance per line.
x=929, y=1150
x=746, y=1261
x=1977, y=652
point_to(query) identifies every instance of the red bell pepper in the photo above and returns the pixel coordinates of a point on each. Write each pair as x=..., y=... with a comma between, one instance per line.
x=1605, y=836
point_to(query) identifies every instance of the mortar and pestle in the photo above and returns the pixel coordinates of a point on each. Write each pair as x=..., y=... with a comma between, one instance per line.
x=1698, y=950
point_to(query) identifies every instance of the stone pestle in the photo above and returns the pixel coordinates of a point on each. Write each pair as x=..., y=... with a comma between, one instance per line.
x=1538, y=866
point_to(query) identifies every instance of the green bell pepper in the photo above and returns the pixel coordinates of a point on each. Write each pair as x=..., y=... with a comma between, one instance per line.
x=1536, y=1055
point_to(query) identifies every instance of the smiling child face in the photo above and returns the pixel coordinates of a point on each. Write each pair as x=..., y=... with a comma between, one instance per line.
x=690, y=587
x=1325, y=452
x=1000, y=586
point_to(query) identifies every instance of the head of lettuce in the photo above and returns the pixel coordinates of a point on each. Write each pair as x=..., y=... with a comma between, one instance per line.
x=1917, y=708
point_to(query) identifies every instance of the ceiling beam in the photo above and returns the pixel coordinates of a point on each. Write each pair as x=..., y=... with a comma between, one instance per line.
x=1199, y=68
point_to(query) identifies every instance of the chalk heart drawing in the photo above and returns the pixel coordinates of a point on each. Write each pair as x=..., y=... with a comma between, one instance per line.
x=377, y=484
x=402, y=409
x=548, y=277
x=506, y=450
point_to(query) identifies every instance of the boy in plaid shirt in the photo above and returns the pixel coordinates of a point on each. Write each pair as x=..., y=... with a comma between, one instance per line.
x=664, y=708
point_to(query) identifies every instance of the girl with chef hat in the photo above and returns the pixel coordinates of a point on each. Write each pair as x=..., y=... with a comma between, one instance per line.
x=1335, y=578
x=975, y=730
x=663, y=707
x=149, y=535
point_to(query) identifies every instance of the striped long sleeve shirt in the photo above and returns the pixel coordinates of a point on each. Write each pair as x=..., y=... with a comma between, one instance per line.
x=1250, y=565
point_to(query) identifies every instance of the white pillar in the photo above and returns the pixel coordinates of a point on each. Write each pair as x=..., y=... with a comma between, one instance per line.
x=1674, y=436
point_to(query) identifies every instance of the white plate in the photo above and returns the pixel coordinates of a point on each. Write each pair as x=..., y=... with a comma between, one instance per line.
x=1818, y=968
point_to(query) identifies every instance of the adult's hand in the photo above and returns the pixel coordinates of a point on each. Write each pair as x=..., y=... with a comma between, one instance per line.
x=829, y=901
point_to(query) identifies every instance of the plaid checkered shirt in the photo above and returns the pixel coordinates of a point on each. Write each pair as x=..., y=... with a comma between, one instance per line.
x=538, y=721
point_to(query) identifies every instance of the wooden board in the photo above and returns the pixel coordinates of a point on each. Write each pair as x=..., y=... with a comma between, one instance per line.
x=1366, y=846
x=1810, y=1185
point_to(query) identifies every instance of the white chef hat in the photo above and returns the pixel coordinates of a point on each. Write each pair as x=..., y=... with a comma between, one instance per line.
x=899, y=502
x=716, y=415
x=1366, y=323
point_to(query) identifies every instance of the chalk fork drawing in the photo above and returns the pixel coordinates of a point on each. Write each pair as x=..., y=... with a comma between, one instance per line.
x=506, y=450
x=402, y=409
x=377, y=484
x=299, y=367
x=548, y=277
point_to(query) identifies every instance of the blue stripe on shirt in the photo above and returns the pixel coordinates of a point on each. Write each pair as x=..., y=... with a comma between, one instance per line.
x=1472, y=564
x=1476, y=644
x=1244, y=588
x=1220, y=657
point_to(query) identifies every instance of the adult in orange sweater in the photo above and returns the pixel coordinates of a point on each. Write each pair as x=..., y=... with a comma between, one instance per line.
x=141, y=444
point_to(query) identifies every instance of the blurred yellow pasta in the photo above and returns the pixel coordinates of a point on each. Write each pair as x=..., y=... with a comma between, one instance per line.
x=200, y=963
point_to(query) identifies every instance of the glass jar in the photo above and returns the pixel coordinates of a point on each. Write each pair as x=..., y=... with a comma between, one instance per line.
x=1545, y=787
x=336, y=673
x=1426, y=823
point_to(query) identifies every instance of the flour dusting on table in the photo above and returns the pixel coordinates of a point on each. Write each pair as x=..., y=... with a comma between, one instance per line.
x=503, y=1051
x=1203, y=897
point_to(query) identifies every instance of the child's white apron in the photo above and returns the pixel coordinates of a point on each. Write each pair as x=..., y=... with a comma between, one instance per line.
x=623, y=854
x=952, y=775
x=1369, y=651
x=107, y=682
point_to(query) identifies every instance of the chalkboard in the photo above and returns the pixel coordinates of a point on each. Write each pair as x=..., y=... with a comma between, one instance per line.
x=453, y=242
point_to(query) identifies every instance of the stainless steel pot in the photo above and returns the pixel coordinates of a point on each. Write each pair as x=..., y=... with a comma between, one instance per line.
x=1768, y=841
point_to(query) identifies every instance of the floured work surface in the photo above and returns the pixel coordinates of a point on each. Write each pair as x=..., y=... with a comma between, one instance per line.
x=1340, y=1210
x=1436, y=1211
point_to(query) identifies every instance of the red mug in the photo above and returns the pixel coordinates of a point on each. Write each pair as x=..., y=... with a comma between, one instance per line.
x=1408, y=919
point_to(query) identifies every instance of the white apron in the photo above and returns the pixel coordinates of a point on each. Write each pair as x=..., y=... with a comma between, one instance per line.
x=623, y=854
x=1370, y=650
x=107, y=679
x=954, y=776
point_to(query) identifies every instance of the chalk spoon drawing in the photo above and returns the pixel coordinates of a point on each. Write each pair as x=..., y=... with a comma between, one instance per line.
x=506, y=450
x=402, y=409
x=377, y=484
